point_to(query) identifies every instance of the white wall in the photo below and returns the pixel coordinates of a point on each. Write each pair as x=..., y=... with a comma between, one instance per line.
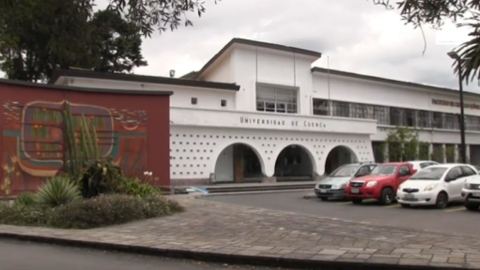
x=221, y=71
x=224, y=169
x=207, y=98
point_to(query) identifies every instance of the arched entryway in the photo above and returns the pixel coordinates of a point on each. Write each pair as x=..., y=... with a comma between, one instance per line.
x=339, y=156
x=238, y=163
x=294, y=163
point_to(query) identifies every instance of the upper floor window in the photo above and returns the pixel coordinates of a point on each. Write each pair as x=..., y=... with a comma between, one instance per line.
x=276, y=99
x=321, y=107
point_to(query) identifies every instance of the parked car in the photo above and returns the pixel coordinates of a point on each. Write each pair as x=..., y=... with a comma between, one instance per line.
x=380, y=184
x=471, y=193
x=420, y=164
x=435, y=185
x=333, y=187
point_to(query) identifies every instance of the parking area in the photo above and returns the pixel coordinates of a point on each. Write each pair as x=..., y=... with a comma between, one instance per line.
x=453, y=219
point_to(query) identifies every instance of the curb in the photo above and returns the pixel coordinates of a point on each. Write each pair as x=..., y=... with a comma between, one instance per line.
x=232, y=259
x=252, y=192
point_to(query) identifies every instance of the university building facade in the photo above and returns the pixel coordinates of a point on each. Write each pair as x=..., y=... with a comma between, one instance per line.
x=259, y=112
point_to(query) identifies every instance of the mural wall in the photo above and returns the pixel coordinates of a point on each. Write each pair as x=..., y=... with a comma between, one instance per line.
x=33, y=139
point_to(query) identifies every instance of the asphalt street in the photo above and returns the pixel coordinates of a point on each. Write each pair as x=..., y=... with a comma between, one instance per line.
x=19, y=255
x=454, y=219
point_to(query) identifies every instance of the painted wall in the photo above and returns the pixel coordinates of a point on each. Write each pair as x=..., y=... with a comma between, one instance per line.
x=221, y=71
x=32, y=134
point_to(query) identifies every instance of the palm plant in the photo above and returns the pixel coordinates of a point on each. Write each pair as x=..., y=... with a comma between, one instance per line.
x=57, y=191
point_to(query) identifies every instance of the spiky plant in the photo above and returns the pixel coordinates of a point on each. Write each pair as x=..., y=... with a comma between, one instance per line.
x=25, y=199
x=57, y=191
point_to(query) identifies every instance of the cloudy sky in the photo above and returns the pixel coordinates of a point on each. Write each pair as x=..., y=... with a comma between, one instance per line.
x=356, y=35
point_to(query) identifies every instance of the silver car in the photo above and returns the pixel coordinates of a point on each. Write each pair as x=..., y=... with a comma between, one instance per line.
x=333, y=187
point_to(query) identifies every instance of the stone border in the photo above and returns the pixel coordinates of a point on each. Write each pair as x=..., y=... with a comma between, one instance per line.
x=219, y=257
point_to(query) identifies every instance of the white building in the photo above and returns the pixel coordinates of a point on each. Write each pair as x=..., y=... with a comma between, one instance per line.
x=259, y=111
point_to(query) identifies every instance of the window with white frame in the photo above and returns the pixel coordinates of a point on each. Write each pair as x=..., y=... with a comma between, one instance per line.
x=277, y=99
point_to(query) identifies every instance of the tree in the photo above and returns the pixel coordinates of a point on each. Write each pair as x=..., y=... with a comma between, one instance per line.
x=402, y=144
x=115, y=44
x=37, y=37
x=434, y=13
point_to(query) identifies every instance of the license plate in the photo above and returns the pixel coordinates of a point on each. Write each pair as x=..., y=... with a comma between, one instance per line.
x=476, y=195
x=355, y=190
x=323, y=191
x=409, y=196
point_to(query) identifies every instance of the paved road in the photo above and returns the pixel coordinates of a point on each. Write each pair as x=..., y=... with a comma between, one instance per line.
x=454, y=219
x=17, y=255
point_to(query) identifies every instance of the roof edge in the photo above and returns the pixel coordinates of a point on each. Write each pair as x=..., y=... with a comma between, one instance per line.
x=386, y=80
x=255, y=43
x=84, y=89
x=141, y=78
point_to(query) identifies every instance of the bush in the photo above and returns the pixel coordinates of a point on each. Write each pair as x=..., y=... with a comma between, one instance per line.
x=100, y=177
x=25, y=199
x=21, y=215
x=135, y=187
x=57, y=191
x=109, y=210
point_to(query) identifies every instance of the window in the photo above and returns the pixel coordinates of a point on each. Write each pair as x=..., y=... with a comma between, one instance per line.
x=320, y=107
x=364, y=170
x=454, y=174
x=382, y=115
x=397, y=117
x=438, y=120
x=410, y=118
x=359, y=111
x=341, y=109
x=194, y=101
x=472, y=123
x=451, y=121
x=404, y=171
x=223, y=103
x=424, y=119
x=274, y=99
x=467, y=171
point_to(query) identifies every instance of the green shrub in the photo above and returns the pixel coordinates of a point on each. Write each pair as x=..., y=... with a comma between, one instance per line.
x=175, y=207
x=135, y=187
x=25, y=199
x=108, y=210
x=57, y=191
x=21, y=215
x=100, y=177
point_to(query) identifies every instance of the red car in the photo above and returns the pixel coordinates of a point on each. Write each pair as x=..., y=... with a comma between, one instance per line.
x=381, y=184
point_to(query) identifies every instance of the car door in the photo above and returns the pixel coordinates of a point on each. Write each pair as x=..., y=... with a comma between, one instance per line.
x=403, y=174
x=454, y=183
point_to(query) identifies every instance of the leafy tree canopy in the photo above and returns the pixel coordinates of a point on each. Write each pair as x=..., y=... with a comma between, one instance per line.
x=39, y=36
x=435, y=13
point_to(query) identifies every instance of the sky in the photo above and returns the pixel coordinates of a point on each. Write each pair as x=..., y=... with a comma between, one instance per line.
x=354, y=35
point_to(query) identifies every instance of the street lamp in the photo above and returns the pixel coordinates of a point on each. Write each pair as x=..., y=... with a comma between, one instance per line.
x=457, y=58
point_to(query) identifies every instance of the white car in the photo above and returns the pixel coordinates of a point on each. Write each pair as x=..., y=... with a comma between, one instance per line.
x=435, y=185
x=471, y=193
x=420, y=164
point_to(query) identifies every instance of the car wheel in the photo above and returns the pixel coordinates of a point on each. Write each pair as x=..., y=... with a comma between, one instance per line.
x=387, y=196
x=405, y=205
x=471, y=206
x=324, y=199
x=442, y=200
x=357, y=201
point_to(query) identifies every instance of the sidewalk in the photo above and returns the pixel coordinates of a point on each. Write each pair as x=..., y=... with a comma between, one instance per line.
x=233, y=234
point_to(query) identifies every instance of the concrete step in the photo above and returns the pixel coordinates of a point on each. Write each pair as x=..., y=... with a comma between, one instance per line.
x=254, y=187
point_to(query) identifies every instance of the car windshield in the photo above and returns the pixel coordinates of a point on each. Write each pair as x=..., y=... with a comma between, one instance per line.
x=429, y=174
x=345, y=171
x=384, y=170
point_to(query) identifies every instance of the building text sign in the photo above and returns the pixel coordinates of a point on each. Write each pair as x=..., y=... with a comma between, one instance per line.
x=274, y=122
x=440, y=102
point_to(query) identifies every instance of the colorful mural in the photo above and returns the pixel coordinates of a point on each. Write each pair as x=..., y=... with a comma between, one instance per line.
x=33, y=141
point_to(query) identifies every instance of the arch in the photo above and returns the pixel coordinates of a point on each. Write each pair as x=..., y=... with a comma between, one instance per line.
x=238, y=162
x=338, y=156
x=295, y=162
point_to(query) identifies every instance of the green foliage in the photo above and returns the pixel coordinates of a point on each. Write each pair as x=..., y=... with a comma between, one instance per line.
x=37, y=37
x=434, y=13
x=26, y=199
x=438, y=154
x=135, y=187
x=402, y=144
x=89, y=213
x=450, y=153
x=99, y=177
x=424, y=151
x=109, y=210
x=57, y=191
